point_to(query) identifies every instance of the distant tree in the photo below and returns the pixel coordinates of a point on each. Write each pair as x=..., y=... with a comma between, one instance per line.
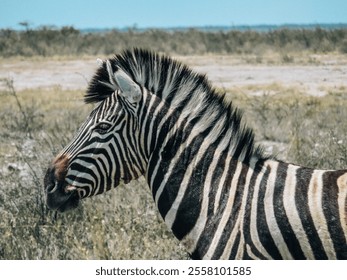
x=25, y=24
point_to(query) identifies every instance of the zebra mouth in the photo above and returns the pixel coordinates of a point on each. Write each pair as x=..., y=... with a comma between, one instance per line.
x=62, y=198
x=59, y=195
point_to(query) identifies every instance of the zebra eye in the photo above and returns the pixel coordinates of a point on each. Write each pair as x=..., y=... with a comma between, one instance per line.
x=102, y=128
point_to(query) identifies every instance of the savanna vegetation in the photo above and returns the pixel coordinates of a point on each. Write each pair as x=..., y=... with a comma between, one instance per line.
x=124, y=224
x=67, y=41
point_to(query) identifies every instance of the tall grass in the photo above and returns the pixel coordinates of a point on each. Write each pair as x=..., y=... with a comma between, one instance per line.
x=46, y=41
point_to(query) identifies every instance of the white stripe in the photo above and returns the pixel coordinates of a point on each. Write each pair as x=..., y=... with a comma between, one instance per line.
x=315, y=190
x=250, y=253
x=171, y=166
x=342, y=197
x=254, y=215
x=231, y=241
x=225, y=171
x=241, y=216
x=270, y=213
x=170, y=134
x=226, y=213
x=198, y=128
x=241, y=248
x=220, y=187
x=101, y=158
x=149, y=134
x=292, y=212
x=192, y=238
x=171, y=215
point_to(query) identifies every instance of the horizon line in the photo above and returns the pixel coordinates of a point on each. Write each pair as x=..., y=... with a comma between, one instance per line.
x=27, y=25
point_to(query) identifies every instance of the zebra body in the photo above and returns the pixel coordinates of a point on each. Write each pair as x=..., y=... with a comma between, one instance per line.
x=215, y=189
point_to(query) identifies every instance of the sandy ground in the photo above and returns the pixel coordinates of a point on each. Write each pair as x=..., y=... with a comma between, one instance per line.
x=222, y=71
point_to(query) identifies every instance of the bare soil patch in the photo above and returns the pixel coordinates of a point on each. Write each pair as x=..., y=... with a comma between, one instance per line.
x=226, y=72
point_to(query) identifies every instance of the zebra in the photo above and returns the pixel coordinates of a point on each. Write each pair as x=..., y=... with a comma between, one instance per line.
x=218, y=191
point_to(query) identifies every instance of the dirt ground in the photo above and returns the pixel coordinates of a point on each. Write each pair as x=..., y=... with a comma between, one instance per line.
x=317, y=77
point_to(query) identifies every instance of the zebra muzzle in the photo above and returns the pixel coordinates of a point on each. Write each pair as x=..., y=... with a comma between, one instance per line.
x=59, y=194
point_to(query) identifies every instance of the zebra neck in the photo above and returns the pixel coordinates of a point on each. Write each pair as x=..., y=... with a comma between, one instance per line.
x=189, y=197
x=181, y=177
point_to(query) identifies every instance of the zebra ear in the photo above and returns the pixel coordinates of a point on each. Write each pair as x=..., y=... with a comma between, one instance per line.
x=129, y=89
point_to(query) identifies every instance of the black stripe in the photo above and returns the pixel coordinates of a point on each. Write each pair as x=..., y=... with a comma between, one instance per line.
x=109, y=166
x=178, y=172
x=190, y=206
x=331, y=212
x=235, y=247
x=234, y=213
x=150, y=120
x=101, y=179
x=170, y=150
x=303, y=178
x=281, y=216
x=216, y=177
x=123, y=161
x=82, y=169
x=213, y=220
x=248, y=209
x=262, y=226
x=116, y=165
x=131, y=152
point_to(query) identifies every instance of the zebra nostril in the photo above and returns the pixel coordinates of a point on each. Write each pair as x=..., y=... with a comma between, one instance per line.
x=52, y=187
x=50, y=182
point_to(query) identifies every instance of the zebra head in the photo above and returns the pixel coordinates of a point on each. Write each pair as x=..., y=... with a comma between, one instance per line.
x=104, y=151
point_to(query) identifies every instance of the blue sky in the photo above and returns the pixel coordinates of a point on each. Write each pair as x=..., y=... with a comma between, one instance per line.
x=173, y=13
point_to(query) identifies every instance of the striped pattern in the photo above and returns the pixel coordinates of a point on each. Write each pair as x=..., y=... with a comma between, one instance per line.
x=213, y=187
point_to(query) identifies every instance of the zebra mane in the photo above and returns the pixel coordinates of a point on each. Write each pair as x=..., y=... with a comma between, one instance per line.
x=146, y=68
x=176, y=83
